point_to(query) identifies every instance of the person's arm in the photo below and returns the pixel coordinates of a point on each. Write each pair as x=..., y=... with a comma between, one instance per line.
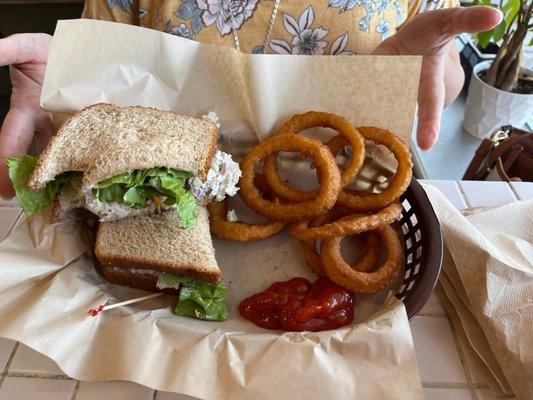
x=26, y=54
x=432, y=35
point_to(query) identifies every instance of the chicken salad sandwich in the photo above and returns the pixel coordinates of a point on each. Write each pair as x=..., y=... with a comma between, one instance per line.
x=120, y=162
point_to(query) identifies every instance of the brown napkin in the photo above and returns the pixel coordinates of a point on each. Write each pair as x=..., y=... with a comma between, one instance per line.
x=487, y=287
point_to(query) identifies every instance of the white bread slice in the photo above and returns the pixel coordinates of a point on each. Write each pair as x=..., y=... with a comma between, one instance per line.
x=158, y=243
x=104, y=140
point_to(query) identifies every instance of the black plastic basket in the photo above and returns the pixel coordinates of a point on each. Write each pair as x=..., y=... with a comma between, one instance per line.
x=423, y=249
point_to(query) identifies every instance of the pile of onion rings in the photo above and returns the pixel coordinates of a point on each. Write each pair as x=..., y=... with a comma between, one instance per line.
x=325, y=216
x=313, y=119
x=354, y=200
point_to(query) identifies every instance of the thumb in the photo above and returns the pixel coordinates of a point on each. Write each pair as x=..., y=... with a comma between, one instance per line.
x=454, y=21
x=432, y=30
x=24, y=48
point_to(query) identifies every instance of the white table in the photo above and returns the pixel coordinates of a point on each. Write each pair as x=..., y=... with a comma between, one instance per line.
x=446, y=371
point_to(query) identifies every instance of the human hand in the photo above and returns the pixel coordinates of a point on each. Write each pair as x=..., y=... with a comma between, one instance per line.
x=26, y=54
x=432, y=35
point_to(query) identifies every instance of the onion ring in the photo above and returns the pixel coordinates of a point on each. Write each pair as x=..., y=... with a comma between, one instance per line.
x=327, y=170
x=312, y=119
x=371, y=257
x=349, y=225
x=365, y=264
x=312, y=257
x=238, y=231
x=262, y=185
x=376, y=201
x=363, y=282
x=241, y=231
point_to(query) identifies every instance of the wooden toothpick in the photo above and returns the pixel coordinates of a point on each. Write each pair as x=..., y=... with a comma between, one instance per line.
x=93, y=312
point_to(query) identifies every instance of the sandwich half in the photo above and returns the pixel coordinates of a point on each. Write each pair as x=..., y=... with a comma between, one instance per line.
x=126, y=277
x=120, y=162
x=153, y=253
x=156, y=245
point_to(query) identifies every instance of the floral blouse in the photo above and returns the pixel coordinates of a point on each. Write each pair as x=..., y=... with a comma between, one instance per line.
x=314, y=27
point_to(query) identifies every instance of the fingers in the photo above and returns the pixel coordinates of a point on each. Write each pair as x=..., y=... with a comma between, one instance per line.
x=454, y=76
x=44, y=132
x=429, y=32
x=390, y=47
x=30, y=53
x=471, y=20
x=451, y=22
x=431, y=96
x=15, y=138
x=24, y=48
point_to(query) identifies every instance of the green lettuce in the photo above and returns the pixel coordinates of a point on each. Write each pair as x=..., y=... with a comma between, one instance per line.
x=32, y=201
x=136, y=188
x=132, y=188
x=199, y=299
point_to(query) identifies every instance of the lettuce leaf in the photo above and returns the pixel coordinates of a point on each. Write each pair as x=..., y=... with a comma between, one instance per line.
x=187, y=211
x=32, y=201
x=134, y=188
x=138, y=187
x=199, y=299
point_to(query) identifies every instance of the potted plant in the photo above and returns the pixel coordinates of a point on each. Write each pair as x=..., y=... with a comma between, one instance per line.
x=501, y=90
x=471, y=53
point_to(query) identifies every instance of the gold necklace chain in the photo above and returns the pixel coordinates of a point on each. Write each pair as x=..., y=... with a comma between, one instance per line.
x=268, y=34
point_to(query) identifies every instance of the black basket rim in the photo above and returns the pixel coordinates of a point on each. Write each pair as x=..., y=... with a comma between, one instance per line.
x=432, y=253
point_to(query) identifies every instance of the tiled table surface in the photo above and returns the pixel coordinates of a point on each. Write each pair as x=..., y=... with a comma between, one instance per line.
x=446, y=371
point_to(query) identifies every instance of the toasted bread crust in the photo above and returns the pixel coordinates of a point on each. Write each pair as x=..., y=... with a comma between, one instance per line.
x=210, y=154
x=35, y=183
x=194, y=270
x=104, y=140
x=127, y=278
x=55, y=215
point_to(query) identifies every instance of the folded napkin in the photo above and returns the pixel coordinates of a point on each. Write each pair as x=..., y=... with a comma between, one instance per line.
x=487, y=288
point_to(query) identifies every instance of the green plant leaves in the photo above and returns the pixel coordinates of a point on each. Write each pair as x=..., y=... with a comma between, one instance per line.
x=484, y=38
x=499, y=31
x=510, y=9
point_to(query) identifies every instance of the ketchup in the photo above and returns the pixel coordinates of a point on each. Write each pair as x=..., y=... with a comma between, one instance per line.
x=299, y=305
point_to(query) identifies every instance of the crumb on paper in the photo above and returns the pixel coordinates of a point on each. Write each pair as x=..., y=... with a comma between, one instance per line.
x=232, y=216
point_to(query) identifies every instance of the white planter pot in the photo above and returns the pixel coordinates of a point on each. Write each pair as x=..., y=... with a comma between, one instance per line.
x=488, y=108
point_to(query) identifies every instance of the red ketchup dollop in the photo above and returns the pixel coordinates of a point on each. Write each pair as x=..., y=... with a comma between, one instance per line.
x=299, y=305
